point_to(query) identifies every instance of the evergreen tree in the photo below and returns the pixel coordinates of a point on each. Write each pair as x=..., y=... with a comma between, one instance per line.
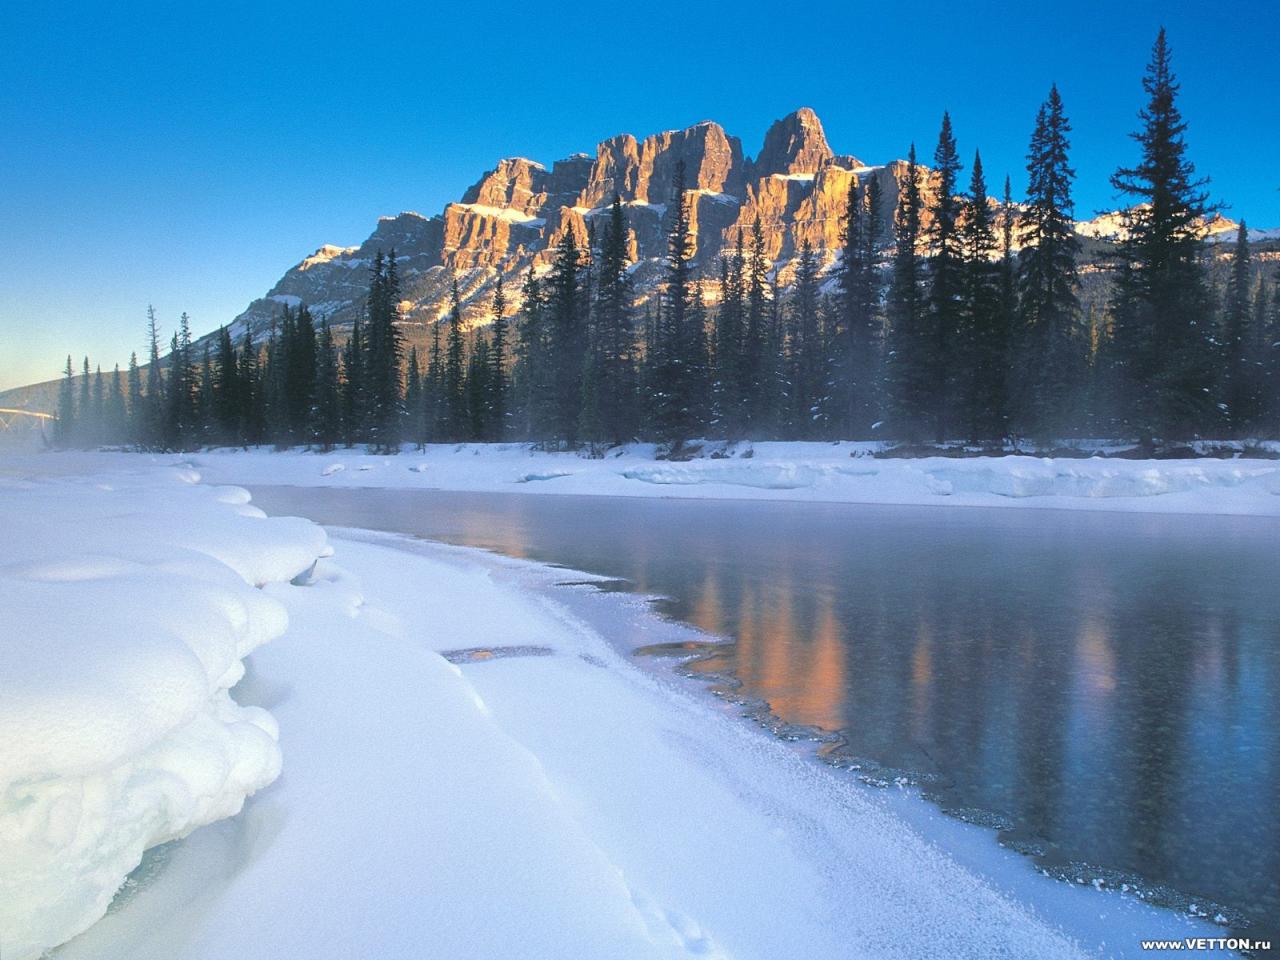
x=532, y=384
x=434, y=415
x=327, y=426
x=1160, y=301
x=99, y=417
x=137, y=407
x=65, y=432
x=300, y=375
x=205, y=425
x=981, y=357
x=478, y=388
x=856, y=323
x=84, y=409
x=567, y=328
x=730, y=372
x=1008, y=306
x=354, y=402
x=910, y=368
x=806, y=344
x=671, y=391
x=1051, y=350
x=614, y=375
x=1239, y=382
x=180, y=421
x=384, y=355
x=252, y=415
x=455, y=388
x=497, y=374
x=945, y=266
x=117, y=412
x=756, y=280
x=413, y=399
x=154, y=421
x=226, y=391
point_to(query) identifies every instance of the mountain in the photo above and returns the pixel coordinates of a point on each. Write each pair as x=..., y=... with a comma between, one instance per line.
x=512, y=218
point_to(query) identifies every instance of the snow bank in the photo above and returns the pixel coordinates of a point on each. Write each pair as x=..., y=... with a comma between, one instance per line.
x=129, y=607
x=835, y=472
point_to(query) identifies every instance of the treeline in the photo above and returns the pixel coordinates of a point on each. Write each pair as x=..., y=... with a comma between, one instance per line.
x=966, y=325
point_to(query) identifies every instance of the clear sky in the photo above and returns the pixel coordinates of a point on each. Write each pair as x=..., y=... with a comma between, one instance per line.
x=187, y=154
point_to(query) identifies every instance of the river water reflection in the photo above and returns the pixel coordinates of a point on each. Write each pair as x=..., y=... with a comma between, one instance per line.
x=1105, y=685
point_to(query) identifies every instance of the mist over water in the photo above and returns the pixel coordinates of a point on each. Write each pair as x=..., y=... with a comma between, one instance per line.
x=1103, y=686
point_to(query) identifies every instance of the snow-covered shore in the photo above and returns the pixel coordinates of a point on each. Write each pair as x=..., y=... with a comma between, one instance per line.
x=552, y=803
x=840, y=472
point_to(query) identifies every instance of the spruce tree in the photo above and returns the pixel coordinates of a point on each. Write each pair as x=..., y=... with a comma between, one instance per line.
x=413, y=403
x=615, y=386
x=153, y=422
x=1160, y=301
x=755, y=331
x=980, y=359
x=910, y=369
x=117, y=411
x=455, y=387
x=249, y=392
x=327, y=427
x=136, y=407
x=1239, y=383
x=64, y=434
x=434, y=415
x=204, y=429
x=945, y=265
x=497, y=374
x=567, y=329
x=806, y=344
x=671, y=387
x=226, y=390
x=99, y=418
x=478, y=388
x=84, y=409
x=730, y=373
x=1051, y=349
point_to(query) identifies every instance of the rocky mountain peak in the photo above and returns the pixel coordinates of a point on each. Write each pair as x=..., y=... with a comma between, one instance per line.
x=796, y=144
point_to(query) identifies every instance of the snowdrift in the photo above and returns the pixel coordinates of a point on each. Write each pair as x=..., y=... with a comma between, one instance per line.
x=128, y=609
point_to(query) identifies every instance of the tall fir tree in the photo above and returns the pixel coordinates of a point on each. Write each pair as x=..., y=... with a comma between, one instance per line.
x=136, y=406
x=910, y=369
x=65, y=432
x=497, y=400
x=84, y=409
x=755, y=332
x=226, y=390
x=1160, y=301
x=567, y=337
x=981, y=355
x=615, y=385
x=1051, y=347
x=326, y=429
x=154, y=420
x=1239, y=387
x=730, y=372
x=945, y=266
x=455, y=376
x=806, y=345
x=117, y=409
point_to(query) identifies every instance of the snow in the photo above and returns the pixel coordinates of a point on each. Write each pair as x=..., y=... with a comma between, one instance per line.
x=129, y=607
x=800, y=177
x=288, y=299
x=832, y=472
x=569, y=804
x=508, y=214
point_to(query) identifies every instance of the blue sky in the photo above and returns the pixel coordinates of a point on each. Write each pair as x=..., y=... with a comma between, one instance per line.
x=187, y=154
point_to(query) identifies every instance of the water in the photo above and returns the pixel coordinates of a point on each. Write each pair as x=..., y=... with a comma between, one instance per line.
x=1104, y=687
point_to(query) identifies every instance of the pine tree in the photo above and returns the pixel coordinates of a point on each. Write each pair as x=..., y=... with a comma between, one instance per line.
x=755, y=331
x=455, y=387
x=65, y=432
x=384, y=355
x=434, y=415
x=1160, y=301
x=532, y=380
x=205, y=423
x=730, y=373
x=354, y=394
x=478, y=388
x=671, y=390
x=910, y=368
x=117, y=412
x=1051, y=350
x=84, y=410
x=567, y=329
x=249, y=392
x=300, y=375
x=327, y=426
x=857, y=345
x=981, y=357
x=137, y=407
x=226, y=391
x=180, y=423
x=806, y=344
x=413, y=399
x=1239, y=382
x=615, y=386
x=945, y=265
x=154, y=420
x=99, y=418
x=1008, y=307
x=497, y=374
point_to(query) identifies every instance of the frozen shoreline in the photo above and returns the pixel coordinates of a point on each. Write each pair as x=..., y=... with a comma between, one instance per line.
x=571, y=804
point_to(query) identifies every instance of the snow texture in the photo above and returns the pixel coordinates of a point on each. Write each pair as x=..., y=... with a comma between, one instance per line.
x=128, y=609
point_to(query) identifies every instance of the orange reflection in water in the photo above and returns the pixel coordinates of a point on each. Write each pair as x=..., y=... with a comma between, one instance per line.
x=801, y=673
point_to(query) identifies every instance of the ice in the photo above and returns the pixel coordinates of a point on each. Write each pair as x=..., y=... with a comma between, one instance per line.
x=559, y=804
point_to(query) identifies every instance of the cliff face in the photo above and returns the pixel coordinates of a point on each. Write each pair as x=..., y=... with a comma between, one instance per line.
x=512, y=218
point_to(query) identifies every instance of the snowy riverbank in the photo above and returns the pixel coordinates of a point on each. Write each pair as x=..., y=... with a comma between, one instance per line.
x=555, y=802
x=841, y=472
